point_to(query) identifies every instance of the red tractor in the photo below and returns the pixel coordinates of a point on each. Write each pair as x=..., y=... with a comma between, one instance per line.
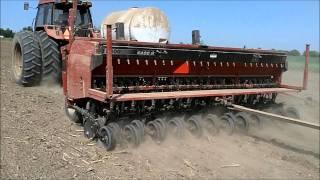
x=121, y=90
x=37, y=55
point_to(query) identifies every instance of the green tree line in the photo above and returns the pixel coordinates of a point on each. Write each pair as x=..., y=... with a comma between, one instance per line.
x=313, y=53
x=295, y=52
x=8, y=33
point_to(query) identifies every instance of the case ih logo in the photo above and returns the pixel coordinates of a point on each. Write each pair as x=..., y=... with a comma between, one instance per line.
x=115, y=51
x=145, y=53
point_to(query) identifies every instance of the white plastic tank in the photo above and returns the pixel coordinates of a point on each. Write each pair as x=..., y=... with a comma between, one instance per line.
x=141, y=24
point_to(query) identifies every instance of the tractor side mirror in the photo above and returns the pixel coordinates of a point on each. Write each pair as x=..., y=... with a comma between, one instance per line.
x=26, y=6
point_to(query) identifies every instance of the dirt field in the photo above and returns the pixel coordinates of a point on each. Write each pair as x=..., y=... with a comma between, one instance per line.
x=38, y=141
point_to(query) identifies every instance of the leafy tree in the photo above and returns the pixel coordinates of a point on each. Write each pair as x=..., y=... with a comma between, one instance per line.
x=8, y=33
x=283, y=51
x=294, y=52
x=28, y=28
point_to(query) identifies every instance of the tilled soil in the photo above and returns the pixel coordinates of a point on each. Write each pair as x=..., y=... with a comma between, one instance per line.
x=38, y=141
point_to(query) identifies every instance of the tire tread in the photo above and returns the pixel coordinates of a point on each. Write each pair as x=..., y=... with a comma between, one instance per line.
x=31, y=71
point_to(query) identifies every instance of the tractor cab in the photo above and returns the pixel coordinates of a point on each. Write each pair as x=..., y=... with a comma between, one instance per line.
x=52, y=17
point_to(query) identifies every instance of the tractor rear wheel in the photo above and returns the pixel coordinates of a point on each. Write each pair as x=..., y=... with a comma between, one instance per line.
x=26, y=59
x=51, y=57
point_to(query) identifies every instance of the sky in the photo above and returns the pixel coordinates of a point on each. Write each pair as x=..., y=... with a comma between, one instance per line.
x=282, y=24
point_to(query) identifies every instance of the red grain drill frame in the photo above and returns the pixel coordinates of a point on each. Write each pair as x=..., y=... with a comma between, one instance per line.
x=109, y=96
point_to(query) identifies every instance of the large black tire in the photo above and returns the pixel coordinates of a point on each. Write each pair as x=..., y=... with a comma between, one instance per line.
x=211, y=124
x=26, y=59
x=107, y=138
x=131, y=135
x=194, y=126
x=241, y=122
x=51, y=57
x=227, y=124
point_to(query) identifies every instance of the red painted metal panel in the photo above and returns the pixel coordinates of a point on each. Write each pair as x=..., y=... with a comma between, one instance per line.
x=182, y=69
x=64, y=82
x=79, y=75
x=97, y=95
x=79, y=68
x=51, y=1
x=71, y=21
x=149, y=67
x=46, y=1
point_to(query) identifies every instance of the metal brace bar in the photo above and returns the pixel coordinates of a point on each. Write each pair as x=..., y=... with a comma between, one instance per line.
x=278, y=117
